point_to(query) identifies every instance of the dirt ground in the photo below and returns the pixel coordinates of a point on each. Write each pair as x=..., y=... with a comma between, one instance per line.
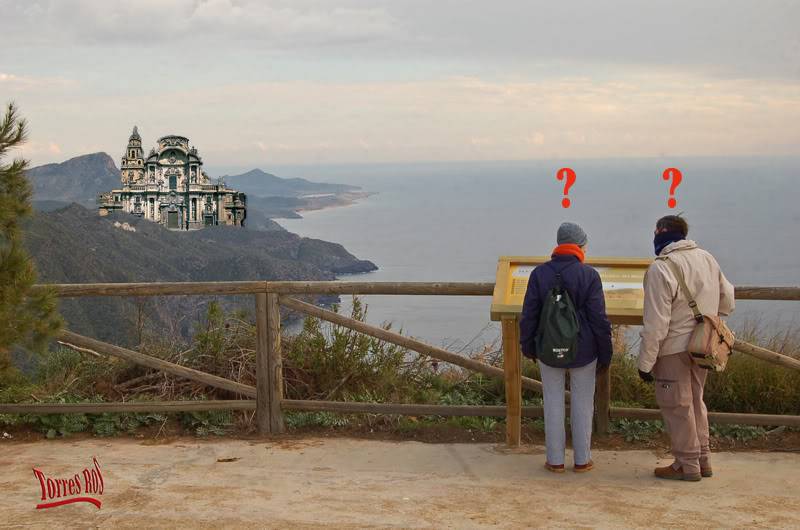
x=355, y=483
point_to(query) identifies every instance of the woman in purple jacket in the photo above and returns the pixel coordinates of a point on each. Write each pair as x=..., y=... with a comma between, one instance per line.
x=593, y=356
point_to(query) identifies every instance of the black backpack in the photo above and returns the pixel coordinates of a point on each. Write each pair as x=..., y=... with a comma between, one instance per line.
x=557, y=334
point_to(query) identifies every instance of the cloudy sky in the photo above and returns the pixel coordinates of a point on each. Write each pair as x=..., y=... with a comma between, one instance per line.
x=255, y=82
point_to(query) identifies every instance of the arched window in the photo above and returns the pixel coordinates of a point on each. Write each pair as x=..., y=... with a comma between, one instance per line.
x=173, y=182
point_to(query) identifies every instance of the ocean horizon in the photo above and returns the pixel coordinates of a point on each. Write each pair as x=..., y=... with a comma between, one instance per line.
x=451, y=221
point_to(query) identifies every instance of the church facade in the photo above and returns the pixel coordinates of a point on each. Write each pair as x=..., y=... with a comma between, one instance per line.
x=169, y=187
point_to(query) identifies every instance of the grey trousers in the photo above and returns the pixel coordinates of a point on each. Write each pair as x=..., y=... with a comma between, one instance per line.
x=581, y=411
x=679, y=393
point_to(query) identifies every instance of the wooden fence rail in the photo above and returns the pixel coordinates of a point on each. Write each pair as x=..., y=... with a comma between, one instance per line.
x=353, y=407
x=269, y=402
x=128, y=407
x=334, y=287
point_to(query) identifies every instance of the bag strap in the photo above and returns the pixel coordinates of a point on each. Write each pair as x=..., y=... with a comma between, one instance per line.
x=698, y=316
x=559, y=282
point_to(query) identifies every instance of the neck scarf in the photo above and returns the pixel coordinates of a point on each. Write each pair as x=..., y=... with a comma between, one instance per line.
x=665, y=238
x=569, y=249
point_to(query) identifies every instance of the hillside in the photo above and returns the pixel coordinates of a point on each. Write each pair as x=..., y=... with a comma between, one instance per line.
x=263, y=184
x=75, y=245
x=78, y=179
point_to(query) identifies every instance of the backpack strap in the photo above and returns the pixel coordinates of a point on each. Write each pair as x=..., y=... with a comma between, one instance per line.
x=559, y=283
x=698, y=316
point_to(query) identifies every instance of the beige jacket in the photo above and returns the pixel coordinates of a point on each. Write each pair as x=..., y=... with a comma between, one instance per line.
x=668, y=319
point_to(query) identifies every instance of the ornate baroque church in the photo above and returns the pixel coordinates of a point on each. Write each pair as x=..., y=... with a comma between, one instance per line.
x=170, y=187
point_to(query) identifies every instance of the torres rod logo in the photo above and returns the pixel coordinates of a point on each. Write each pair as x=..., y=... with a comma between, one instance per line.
x=86, y=487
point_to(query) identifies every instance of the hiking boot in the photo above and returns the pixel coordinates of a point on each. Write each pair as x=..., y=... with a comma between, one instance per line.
x=557, y=468
x=671, y=473
x=583, y=468
x=705, y=468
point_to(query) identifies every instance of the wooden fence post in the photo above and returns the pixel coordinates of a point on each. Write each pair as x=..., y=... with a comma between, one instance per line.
x=512, y=365
x=275, y=364
x=602, y=402
x=262, y=366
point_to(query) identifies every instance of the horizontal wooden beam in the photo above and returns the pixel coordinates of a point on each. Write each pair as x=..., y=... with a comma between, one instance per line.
x=720, y=418
x=406, y=409
x=405, y=342
x=131, y=406
x=334, y=287
x=68, y=338
x=354, y=407
x=385, y=288
x=767, y=293
x=66, y=290
x=499, y=411
x=767, y=355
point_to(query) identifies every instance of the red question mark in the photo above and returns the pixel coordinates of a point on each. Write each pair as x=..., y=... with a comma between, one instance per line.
x=677, y=177
x=570, y=174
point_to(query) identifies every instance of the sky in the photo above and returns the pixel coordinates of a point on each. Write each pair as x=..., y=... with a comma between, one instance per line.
x=255, y=83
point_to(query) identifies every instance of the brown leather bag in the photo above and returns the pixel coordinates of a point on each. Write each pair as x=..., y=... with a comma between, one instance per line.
x=712, y=340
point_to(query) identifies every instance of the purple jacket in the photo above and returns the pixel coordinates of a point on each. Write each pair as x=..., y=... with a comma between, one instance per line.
x=583, y=284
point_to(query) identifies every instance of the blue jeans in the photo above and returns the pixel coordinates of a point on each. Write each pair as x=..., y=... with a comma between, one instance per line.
x=581, y=411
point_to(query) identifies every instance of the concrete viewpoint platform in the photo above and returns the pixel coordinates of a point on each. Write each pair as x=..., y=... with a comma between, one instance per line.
x=349, y=483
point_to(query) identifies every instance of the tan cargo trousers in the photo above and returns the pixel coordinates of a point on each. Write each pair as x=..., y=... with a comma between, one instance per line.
x=679, y=393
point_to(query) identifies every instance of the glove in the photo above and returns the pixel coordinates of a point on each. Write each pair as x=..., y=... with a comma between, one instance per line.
x=647, y=377
x=601, y=369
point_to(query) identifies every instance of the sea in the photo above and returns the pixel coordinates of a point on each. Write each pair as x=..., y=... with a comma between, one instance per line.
x=438, y=222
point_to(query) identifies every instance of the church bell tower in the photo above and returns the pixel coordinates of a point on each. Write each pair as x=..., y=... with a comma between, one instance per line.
x=132, y=166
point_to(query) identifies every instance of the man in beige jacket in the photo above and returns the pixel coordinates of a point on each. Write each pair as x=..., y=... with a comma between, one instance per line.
x=663, y=355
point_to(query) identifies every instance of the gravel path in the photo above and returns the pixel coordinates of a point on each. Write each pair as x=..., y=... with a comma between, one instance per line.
x=346, y=483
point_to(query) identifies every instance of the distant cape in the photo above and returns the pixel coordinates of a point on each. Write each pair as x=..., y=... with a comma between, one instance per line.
x=263, y=184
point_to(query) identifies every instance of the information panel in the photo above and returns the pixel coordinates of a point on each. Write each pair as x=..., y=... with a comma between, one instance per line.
x=622, y=284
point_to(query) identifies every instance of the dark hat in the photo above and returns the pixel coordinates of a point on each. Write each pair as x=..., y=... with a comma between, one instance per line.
x=571, y=233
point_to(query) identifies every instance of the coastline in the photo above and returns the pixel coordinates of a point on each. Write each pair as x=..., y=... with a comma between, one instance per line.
x=333, y=201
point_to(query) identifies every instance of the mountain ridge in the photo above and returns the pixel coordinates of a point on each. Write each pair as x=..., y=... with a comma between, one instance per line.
x=75, y=245
x=78, y=179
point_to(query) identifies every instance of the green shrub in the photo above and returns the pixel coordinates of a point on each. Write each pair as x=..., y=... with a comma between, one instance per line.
x=739, y=433
x=627, y=389
x=59, y=424
x=208, y=422
x=64, y=371
x=111, y=424
x=315, y=419
x=475, y=423
x=474, y=389
x=326, y=361
x=636, y=430
x=750, y=385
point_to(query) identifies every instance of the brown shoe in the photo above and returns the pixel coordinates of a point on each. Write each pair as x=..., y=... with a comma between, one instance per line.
x=670, y=473
x=559, y=468
x=705, y=468
x=583, y=468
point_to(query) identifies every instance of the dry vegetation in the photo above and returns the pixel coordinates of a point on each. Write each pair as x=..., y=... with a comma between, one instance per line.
x=324, y=361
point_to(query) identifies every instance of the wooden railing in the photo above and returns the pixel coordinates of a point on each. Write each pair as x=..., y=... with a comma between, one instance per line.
x=267, y=399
